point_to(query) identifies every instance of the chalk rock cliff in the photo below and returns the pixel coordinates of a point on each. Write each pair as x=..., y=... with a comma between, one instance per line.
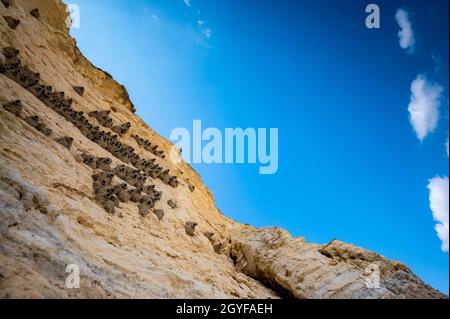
x=179, y=245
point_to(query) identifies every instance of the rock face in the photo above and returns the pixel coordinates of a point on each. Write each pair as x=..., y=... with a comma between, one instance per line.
x=295, y=268
x=51, y=216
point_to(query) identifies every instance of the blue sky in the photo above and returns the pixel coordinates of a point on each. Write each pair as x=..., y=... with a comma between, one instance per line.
x=351, y=165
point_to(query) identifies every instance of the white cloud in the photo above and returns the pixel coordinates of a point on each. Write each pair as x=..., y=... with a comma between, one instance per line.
x=424, y=106
x=406, y=33
x=187, y=2
x=438, y=188
x=201, y=23
x=207, y=33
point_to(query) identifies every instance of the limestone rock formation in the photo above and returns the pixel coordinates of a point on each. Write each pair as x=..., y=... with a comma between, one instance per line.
x=52, y=213
x=298, y=269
